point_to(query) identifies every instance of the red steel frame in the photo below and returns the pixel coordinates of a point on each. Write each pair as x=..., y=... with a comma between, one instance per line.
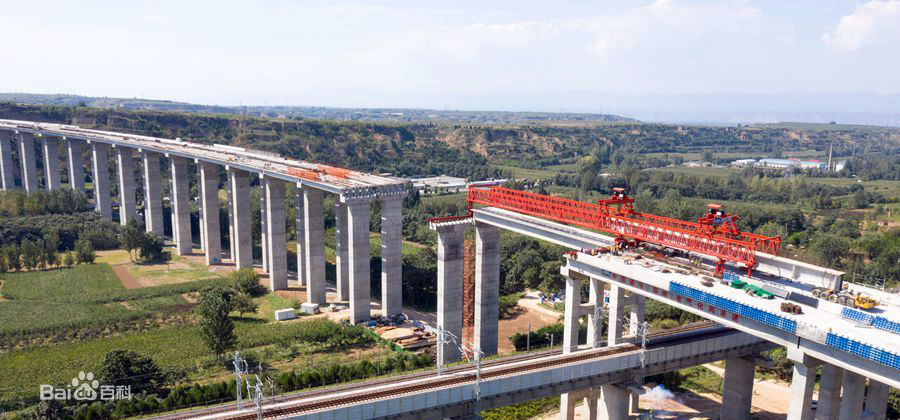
x=725, y=242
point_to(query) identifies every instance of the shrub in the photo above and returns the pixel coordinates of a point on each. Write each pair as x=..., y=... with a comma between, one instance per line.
x=84, y=251
x=246, y=281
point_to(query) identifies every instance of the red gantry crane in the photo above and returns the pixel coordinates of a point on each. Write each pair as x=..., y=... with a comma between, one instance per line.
x=714, y=235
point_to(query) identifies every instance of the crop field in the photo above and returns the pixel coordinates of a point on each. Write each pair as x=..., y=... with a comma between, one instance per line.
x=87, y=296
x=288, y=345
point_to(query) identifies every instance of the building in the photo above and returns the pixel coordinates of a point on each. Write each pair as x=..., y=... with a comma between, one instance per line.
x=744, y=162
x=777, y=163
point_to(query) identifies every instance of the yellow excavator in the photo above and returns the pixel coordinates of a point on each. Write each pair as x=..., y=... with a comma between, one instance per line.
x=845, y=297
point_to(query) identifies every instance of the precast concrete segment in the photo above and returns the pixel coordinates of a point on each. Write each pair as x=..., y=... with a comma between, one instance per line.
x=802, y=383
x=829, y=392
x=449, y=288
x=876, y=399
x=125, y=169
x=181, y=207
x=572, y=315
x=209, y=204
x=75, y=162
x=487, y=287
x=263, y=229
x=360, y=293
x=300, y=236
x=314, y=246
x=613, y=403
x=342, y=274
x=240, y=209
x=392, y=255
x=276, y=234
x=50, y=146
x=7, y=175
x=153, y=209
x=737, y=388
x=100, y=181
x=853, y=388
x=28, y=161
x=616, y=315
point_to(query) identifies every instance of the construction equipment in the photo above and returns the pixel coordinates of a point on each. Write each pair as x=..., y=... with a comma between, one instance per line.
x=715, y=235
x=845, y=298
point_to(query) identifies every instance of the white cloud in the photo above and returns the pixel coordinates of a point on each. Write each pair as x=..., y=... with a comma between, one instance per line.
x=861, y=27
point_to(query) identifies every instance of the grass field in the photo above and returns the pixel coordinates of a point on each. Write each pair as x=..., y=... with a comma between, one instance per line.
x=88, y=296
x=283, y=346
x=529, y=173
x=177, y=270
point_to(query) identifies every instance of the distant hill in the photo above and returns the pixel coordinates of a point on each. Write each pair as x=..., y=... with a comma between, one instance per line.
x=342, y=114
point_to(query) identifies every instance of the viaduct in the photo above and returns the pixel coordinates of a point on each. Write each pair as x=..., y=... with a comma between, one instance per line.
x=858, y=352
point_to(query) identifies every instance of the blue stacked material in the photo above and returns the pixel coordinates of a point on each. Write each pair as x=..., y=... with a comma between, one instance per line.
x=883, y=323
x=729, y=305
x=857, y=316
x=863, y=350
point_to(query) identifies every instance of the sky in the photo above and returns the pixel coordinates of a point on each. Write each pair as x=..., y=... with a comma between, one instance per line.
x=440, y=54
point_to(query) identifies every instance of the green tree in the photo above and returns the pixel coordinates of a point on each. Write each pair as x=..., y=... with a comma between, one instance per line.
x=12, y=256
x=84, y=251
x=246, y=281
x=127, y=368
x=49, y=410
x=216, y=327
x=51, y=247
x=130, y=237
x=69, y=260
x=243, y=304
x=830, y=248
x=152, y=248
x=31, y=254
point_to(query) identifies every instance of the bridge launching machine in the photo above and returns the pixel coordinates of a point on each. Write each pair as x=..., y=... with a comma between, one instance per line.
x=715, y=235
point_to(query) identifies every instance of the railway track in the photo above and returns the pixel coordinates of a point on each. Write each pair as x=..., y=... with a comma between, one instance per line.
x=452, y=376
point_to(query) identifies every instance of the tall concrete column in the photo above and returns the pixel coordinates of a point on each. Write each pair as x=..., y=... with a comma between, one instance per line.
x=449, y=287
x=613, y=403
x=153, y=208
x=341, y=256
x=829, y=392
x=232, y=254
x=50, y=147
x=567, y=403
x=737, y=388
x=635, y=323
x=100, y=160
x=75, y=149
x=854, y=391
x=359, y=261
x=300, y=227
x=263, y=220
x=7, y=176
x=314, y=246
x=572, y=315
x=29, y=163
x=392, y=255
x=802, y=383
x=209, y=205
x=276, y=234
x=595, y=317
x=487, y=287
x=125, y=166
x=616, y=314
x=876, y=399
x=240, y=209
x=591, y=400
x=181, y=207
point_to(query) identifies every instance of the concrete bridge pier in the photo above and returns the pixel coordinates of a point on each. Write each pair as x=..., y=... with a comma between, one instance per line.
x=232, y=254
x=153, y=210
x=29, y=164
x=341, y=257
x=487, y=287
x=240, y=209
x=100, y=160
x=853, y=394
x=359, y=258
x=50, y=146
x=392, y=255
x=75, y=149
x=571, y=322
x=450, y=268
x=314, y=245
x=263, y=222
x=125, y=167
x=209, y=209
x=737, y=388
x=276, y=234
x=7, y=176
x=300, y=236
x=613, y=404
x=876, y=400
x=802, y=383
x=181, y=210
x=829, y=392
